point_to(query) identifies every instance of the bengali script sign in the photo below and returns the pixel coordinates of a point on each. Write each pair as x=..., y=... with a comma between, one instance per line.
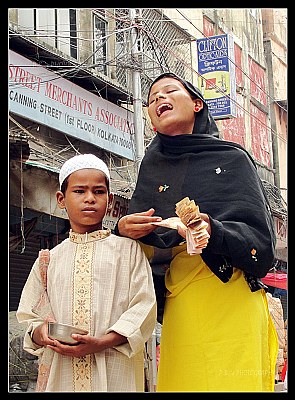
x=217, y=74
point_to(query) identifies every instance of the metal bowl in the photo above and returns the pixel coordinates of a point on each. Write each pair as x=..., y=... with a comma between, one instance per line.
x=62, y=332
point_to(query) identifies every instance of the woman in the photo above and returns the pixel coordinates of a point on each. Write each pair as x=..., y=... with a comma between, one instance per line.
x=217, y=333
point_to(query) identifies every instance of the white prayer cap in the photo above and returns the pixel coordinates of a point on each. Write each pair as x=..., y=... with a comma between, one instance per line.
x=82, y=161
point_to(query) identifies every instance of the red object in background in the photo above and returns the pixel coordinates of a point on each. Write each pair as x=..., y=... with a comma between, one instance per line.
x=276, y=280
x=210, y=83
x=284, y=370
x=158, y=355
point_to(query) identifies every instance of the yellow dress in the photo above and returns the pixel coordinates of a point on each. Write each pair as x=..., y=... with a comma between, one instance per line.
x=216, y=337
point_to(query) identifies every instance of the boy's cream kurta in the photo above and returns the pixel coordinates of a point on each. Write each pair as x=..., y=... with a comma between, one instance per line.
x=101, y=284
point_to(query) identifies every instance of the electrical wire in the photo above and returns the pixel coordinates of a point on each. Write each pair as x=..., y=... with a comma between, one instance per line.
x=236, y=66
x=151, y=36
x=253, y=117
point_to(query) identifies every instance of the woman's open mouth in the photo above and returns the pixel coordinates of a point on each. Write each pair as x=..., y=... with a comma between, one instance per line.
x=162, y=108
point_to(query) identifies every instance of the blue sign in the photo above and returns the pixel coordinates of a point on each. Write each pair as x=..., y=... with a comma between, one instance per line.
x=217, y=74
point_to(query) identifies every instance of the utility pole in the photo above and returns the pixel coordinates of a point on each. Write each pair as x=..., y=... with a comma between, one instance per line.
x=136, y=50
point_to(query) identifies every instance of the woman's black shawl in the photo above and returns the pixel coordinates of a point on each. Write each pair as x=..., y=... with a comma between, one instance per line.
x=221, y=177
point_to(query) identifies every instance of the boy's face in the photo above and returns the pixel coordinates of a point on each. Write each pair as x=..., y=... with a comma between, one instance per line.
x=86, y=200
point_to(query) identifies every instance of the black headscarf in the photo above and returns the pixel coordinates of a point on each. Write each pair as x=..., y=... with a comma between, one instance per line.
x=221, y=177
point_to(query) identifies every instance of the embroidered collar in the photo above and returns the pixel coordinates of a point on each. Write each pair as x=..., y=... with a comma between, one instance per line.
x=89, y=237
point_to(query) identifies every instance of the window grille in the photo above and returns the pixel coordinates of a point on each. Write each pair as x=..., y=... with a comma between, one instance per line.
x=99, y=44
x=165, y=47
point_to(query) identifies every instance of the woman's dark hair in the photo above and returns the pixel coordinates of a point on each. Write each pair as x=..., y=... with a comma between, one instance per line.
x=193, y=91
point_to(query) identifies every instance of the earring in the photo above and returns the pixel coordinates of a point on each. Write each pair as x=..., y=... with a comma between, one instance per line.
x=197, y=108
x=154, y=129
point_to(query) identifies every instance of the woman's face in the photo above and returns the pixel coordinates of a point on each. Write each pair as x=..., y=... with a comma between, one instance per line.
x=171, y=108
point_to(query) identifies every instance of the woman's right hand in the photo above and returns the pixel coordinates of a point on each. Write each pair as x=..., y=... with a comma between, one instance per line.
x=138, y=225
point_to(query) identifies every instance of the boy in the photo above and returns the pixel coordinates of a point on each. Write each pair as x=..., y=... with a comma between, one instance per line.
x=96, y=281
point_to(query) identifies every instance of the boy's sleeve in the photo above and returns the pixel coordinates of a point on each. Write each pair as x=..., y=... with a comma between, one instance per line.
x=138, y=322
x=30, y=296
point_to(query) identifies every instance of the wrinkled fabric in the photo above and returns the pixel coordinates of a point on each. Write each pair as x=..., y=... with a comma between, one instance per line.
x=217, y=333
x=222, y=179
x=222, y=335
x=82, y=161
x=103, y=285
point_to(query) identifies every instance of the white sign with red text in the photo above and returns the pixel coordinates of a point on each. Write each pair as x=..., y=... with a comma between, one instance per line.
x=117, y=210
x=45, y=97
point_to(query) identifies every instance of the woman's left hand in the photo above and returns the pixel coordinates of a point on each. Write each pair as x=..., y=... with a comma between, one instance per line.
x=206, y=218
x=181, y=228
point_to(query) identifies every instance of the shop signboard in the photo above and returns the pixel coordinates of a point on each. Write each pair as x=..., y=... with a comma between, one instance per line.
x=117, y=209
x=217, y=74
x=48, y=98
